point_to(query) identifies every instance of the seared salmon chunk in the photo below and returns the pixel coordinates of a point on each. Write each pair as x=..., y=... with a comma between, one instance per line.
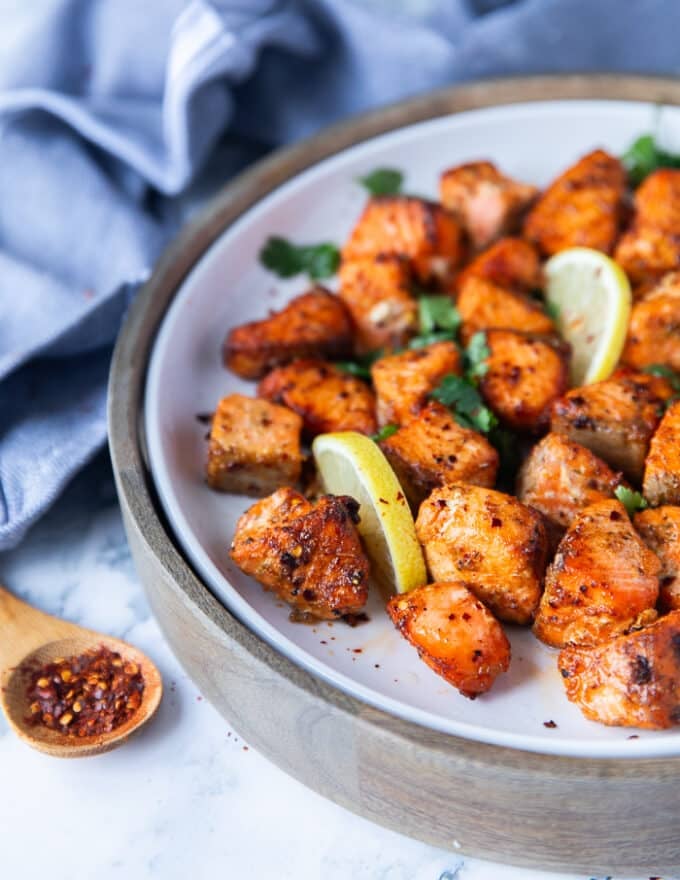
x=583, y=207
x=433, y=449
x=660, y=530
x=511, y=263
x=308, y=554
x=559, y=478
x=454, y=634
x=491, y=542
x=603, y=581
x=525, y=375
x=424, y=232
x=404, y=381
x=615, y=418
x=377, y=293
x=487, y=203
x=630, y=681
x=254, y=446
x=325, y=397
x=315, y=324
x=661, y=484
x=654, y=329
x=484, y=305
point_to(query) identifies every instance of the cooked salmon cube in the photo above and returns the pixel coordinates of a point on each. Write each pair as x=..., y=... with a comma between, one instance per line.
x=511, y=262
x=254, y=446
x=315, y=324
x=433, y=449
x=377, y=293
x=325, y=397
x=308, y=554
x=488, y=203
x=603, y=581
x=654, y=329
x=559, y=478
x=660, y=530
x=484, y=305
x=615, y=418
x=651, y=247
x=661, y=484
x=454, y=634
x=490, y=541
x=630, y=681
x=525, y=375
x=404, y=381
x=424, y=232
x=583, y=207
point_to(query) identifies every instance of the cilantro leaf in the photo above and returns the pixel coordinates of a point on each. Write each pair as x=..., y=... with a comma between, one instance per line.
x=463, y=399
x=630, y=499
x=383, y=182
x=385, y=432
x=361, y=366
x=437, y=312
x=644, y=156
x=286, y=259
x=551, y=309
x=429, y=338
x=664, y=372
x=475, y=357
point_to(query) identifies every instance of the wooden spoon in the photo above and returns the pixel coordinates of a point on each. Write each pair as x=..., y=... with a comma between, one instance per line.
x=28, y=636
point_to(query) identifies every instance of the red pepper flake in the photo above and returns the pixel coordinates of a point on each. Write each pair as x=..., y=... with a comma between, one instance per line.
x=85, y=695
x=549, y=724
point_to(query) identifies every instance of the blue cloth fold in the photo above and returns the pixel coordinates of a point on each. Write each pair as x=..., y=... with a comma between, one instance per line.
x=118, y=118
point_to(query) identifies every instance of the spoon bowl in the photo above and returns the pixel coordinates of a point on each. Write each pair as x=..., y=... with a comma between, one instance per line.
x=28, y=640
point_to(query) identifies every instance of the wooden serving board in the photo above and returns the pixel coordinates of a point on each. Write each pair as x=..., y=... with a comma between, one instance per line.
x=588, y=815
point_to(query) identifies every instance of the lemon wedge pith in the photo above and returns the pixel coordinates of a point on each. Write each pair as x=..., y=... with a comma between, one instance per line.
x=591, y=297
x=352, y=464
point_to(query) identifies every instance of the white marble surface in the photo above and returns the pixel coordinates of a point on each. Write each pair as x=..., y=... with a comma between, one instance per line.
x=187, y=797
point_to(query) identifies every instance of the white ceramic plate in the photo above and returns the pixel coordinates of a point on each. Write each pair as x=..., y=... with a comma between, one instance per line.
x=532, y=142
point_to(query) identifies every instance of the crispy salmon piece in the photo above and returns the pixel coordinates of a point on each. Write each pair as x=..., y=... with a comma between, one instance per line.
x=654, y=329
x=377, y=293
x=660, y=530
x=490, y=541
x=424, y=232
x=602, y=582
x=487, y=203
x=511, y=262
x=484, y=305
x=308, y=554
x=630, y=681
x=525, y=375
x=325, y=397
x=559, y=478
x=651, y=246
x=314, y=324
x=583, y=207
x=403, y=381
x=615, y=418
x=433, y=449
x=254, y=446
x=454, y=634
x=661, y=484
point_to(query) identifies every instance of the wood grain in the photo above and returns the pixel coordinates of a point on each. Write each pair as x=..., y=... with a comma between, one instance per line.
x=588, y=815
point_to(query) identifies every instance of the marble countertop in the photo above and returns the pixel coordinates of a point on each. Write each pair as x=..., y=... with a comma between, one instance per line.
x=187, y=797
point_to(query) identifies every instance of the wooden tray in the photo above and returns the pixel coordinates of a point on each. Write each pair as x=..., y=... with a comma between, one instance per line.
x=590, y=815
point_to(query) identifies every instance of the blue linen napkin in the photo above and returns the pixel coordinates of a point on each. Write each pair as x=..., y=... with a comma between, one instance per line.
x=118, y=117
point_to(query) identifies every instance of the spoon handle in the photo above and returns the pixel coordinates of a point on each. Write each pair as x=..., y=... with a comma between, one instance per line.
x=23, y=629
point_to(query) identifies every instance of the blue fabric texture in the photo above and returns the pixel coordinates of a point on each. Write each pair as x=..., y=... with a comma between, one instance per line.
x=117, y=118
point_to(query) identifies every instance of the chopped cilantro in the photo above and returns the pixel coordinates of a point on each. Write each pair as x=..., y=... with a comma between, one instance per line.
x=463, y=399
x=360, y=367
x=383, y=182
x=664, y=372
x=551, y=309
x=475, y=357
x=429, y=338
x=630, y=499
x=644, y=156
x=437, y=313
x=287, y=259
x=385, y=432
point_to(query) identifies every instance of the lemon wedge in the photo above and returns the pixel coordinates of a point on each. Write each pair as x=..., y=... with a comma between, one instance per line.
x=591, y=297
x=352, y=464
